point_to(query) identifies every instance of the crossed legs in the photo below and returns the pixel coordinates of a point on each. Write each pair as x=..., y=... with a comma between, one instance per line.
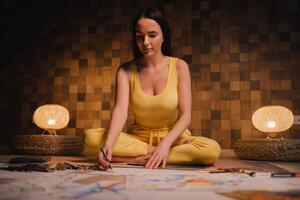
x=192, y=150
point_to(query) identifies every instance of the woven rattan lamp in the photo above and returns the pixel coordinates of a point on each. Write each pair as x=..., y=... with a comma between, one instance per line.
x=49, y=117
x=272, y=120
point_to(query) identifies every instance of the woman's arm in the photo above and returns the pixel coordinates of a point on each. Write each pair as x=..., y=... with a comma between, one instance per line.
x=119, y=116
x=161, y=152
x=184, y=102
x=120, y=111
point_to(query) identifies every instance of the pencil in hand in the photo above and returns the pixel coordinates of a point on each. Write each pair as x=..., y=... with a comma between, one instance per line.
x=105, y=156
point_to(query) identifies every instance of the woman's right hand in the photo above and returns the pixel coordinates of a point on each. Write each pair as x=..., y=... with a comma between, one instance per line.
x=102, y=162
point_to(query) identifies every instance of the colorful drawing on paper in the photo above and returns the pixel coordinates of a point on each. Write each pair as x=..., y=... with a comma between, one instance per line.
x=263, y=195
x=149, y=184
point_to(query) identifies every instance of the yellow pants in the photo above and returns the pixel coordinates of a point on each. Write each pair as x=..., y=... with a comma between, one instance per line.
x=187, y=149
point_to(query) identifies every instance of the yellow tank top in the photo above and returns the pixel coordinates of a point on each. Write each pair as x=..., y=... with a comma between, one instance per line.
x=155, y=111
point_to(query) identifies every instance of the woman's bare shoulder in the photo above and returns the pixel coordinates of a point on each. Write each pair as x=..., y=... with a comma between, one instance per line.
x=125, y=69
x=181, y=66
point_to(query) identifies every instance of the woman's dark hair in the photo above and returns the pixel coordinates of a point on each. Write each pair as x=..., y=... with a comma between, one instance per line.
x=156, y=15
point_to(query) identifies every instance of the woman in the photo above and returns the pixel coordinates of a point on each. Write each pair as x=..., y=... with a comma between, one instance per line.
x=158, y=89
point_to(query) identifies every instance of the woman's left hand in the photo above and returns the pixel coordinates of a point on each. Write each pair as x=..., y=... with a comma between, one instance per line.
x=159, y=155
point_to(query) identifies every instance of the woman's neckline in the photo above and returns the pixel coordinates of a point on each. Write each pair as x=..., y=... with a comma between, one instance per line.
x=166, y=86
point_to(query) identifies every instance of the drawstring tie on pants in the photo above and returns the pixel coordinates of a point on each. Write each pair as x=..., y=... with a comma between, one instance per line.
x=153, y=134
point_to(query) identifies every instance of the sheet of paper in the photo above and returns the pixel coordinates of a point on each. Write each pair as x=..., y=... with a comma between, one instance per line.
x=138, y=183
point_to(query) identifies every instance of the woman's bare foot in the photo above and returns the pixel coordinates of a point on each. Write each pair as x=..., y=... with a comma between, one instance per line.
x=186, y=141
x=134, y=159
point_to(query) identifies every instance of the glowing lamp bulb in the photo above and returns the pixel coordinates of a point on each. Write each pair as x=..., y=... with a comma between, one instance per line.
x=271, y=124
x=51, y=122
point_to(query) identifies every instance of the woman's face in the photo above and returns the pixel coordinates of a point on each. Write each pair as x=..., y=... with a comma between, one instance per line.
x=149, y=37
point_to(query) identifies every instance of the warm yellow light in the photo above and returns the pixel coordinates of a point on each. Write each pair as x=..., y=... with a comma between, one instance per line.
x=51, y=121
x=271, y=124
x=51, y=117
x=272, y=119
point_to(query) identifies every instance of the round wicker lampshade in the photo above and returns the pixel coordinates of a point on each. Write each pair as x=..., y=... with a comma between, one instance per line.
x=51, y=117
x=272, y=119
